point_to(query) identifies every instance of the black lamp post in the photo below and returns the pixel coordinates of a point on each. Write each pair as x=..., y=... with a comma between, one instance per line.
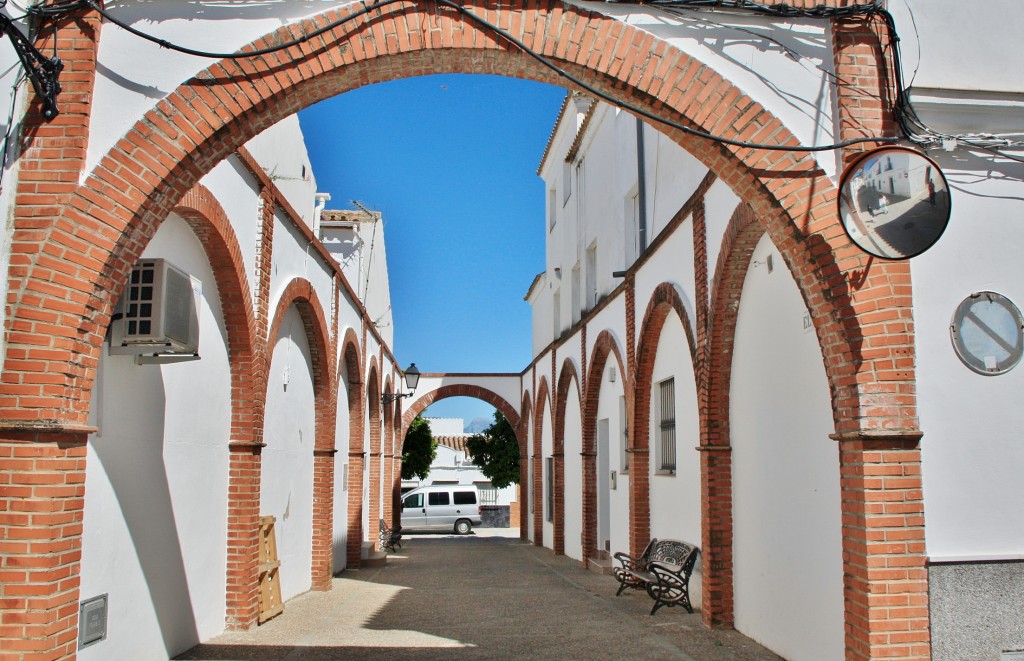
x=412, y=379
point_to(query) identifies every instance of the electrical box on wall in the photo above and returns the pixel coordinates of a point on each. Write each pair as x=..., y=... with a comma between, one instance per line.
x=92, y=621
x=157, y=317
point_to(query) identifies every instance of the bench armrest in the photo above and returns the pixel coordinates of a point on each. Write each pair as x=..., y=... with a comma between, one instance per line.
x=629, y=562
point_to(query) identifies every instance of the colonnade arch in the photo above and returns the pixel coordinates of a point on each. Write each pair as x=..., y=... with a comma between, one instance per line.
x=606, y=347
x=523, y=431
x=568, y=377
x=350, y=375
x=665, y=300
x=542, y=405
x=116, y=207
x=420, y=404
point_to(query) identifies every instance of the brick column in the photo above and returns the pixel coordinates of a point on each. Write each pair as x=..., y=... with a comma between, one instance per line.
x=355, y=508
x=716, y=533
x=558, y=543
x=388, y=449
x=42, y=500
x=639, y=500
x=590, y=549
x=538, y=495
x=323, y=518
x=374, y=494
x=885, y=574
x=244, y=474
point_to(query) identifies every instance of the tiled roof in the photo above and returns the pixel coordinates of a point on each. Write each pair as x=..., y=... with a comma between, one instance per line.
x=457, y=443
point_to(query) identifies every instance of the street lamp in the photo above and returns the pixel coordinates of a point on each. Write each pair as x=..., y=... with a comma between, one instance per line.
x=412, y=379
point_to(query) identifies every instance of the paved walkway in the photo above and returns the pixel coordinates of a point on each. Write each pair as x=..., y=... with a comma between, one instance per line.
x=478, y=597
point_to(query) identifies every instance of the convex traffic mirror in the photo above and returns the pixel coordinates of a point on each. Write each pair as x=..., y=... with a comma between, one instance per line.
x=894, y=202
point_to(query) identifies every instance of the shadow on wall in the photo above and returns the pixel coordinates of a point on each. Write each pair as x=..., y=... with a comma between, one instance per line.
x=130, y=448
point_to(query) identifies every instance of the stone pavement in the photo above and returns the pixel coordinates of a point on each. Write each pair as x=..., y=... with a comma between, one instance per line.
x=483, y=596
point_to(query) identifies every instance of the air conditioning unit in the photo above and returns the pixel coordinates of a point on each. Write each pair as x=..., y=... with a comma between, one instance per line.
x=157, y=315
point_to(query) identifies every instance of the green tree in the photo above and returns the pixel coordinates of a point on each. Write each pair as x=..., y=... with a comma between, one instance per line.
x=496, y=452
x=418, y=450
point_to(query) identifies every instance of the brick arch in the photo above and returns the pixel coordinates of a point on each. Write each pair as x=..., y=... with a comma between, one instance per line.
x=665, y=300
x=606, y=347
x=373, y=404
x=374, y=457
x=741, y=237
x=208, y=221
x=526, y=494
x=246, y=354
x=211, y=115
x=349, y=366
x=95, y=224
x=542, y=402
x=567, y=377
x=301, y=294
x=421, y=403
x=387, y=450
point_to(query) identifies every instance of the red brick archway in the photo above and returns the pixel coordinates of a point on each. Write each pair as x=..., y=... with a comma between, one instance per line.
x=605, y=347
x=373, y=457
x=525, y=492
x=300, y=293
x=567, y=377
x=96, y=226
x=664, y=301
x=462, y=390
x=210, y=116
x=542, y=403
x=350, y=368
x=247, y=355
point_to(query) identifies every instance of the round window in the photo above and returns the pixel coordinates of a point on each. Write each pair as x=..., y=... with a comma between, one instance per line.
x=988, y=333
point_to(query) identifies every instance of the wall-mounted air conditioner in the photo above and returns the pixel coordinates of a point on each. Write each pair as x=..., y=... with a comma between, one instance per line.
x=157, y=318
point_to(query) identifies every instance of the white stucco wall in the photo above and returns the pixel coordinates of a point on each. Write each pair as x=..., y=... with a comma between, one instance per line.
x=573, y=476
x=790, y=78
x=675, y=498
x=788, y=576
x=155, y=523
x=286, y=486
x=971, y=451
x=283, y=149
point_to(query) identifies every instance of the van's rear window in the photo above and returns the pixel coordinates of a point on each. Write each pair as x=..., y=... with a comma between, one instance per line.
x=465, y=498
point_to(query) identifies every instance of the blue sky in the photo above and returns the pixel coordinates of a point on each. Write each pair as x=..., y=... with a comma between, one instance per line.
x=451, y=161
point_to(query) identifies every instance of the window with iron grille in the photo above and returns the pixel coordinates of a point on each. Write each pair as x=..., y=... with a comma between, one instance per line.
x=667, y=425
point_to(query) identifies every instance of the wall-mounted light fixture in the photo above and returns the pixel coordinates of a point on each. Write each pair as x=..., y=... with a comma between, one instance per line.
x=412, y=379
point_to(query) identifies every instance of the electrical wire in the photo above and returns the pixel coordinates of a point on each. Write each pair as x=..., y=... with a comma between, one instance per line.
x=743, y=144
x=237, y=55
x=519, y=44
x=913, y=128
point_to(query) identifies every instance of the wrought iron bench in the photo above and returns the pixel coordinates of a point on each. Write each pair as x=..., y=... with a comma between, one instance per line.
x=390, y=538
x=663, y=571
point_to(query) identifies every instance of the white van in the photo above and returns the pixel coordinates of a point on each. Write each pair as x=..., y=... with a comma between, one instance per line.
x=442, y=507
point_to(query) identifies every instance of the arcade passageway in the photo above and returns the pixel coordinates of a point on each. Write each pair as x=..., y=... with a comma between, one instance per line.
x=478, y=597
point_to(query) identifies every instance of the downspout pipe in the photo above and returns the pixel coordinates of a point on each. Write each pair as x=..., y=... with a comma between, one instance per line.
x=641, y=187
